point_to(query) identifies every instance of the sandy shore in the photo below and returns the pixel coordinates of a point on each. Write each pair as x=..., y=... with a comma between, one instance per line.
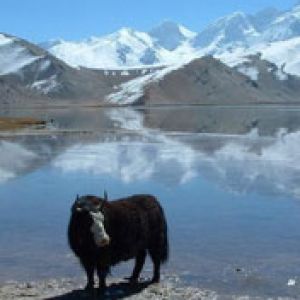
x=71, y=289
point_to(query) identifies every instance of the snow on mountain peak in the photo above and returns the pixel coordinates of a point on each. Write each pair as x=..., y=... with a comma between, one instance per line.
x=170, y=42
x=262, y=19
x=284, y=27
x=171, y=35
x=50, y=43
x=186, y=32
x=4, y=40
x=233, y=29
x=237, y=15
x=126, y=47
x=13, y=56
x=289, y=15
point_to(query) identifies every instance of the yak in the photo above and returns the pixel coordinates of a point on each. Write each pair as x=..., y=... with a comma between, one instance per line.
x=104, y=233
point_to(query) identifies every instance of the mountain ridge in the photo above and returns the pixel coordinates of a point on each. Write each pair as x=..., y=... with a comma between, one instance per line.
x=170, y=42
x=127, y=67
x=208, y=81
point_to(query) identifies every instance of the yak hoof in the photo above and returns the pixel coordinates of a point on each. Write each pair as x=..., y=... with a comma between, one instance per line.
x=155, y=281
x=132, y=280
x=101, y=290
x=89, y=288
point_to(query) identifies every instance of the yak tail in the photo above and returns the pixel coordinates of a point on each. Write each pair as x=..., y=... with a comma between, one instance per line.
x=164, y=255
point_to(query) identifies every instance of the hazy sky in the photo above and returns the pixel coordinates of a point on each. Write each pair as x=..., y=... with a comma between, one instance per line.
x=40, y=20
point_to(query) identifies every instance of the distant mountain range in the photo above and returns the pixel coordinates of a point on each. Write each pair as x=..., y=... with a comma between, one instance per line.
x=28, y=71
x=209, y=81
x=238, y=59
x=273, y=33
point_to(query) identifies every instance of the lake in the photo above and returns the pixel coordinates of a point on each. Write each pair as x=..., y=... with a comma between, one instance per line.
x=227, y=177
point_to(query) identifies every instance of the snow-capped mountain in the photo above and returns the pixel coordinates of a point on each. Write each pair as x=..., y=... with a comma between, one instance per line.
x=264, y=18
x=285, y=26
x=18, y=58
x=232, y=30
x=13, y=55
x=125, y=48
x=170, y=35
x=28, y=72
x=129, y=60
x=271, y=32
x=209, y=81
x=285, y=54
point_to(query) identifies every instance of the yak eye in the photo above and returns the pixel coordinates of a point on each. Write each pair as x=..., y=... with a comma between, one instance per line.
x=79, y=208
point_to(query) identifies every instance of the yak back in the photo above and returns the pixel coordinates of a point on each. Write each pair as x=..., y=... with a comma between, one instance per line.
x=133, y=224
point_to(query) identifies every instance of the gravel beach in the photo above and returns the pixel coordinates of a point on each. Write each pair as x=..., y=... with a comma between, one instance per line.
x=71, y=289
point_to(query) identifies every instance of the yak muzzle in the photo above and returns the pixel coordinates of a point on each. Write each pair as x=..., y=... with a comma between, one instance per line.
x=101, y=238
x=104, y=242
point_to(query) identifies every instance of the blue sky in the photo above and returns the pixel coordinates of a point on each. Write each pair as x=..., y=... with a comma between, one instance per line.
x=40, y=20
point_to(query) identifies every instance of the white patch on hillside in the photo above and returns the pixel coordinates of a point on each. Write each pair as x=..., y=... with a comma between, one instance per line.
x=250, y=72
x=4, y=40
x=233, y=58
x=133, y=90
x=47, y=85
x=44, y=65
x=186, y=32
x=285, y=53
x=13, y=56
x=281, y=75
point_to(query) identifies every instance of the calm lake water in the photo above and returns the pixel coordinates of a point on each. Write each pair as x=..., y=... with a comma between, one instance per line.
x=228, y=178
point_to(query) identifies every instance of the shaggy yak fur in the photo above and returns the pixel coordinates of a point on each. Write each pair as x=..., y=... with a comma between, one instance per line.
x=135, y=225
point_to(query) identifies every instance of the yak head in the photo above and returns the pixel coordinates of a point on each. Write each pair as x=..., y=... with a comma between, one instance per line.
x=89, y=210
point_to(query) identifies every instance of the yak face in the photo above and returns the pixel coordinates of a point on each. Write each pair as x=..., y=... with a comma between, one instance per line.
x=101, y=238
x=88, y=209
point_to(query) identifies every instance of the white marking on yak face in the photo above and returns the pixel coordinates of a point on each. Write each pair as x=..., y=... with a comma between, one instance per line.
x=101, y=238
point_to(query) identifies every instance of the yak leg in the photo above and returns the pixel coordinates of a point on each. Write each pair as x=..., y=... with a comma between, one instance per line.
x=139, y=263
x=89, y=269
x=156, y=265
x=102, y=273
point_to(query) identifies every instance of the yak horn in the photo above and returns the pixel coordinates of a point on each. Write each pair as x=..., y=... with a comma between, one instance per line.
x=105, y=196
x=77, y=197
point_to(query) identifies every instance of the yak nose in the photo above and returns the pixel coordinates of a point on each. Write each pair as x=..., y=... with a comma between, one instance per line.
x=105, y=242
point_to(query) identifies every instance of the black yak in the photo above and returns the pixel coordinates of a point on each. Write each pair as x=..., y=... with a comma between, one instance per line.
x=104, y=233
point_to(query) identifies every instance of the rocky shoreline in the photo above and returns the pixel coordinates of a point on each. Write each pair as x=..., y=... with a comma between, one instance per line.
x=71, y=289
